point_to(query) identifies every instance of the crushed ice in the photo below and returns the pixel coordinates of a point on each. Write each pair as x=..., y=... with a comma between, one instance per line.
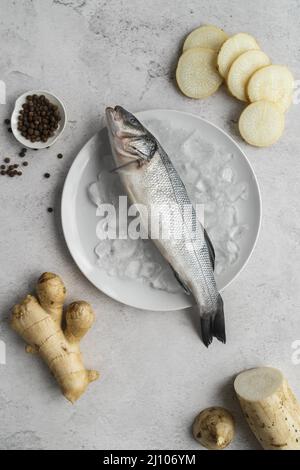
x=209, y=175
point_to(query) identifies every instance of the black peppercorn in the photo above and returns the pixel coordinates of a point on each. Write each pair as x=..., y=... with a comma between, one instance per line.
x=38, y=118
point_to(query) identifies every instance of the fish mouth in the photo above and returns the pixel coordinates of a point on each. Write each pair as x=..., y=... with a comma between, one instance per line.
x=119, y=143
x=111, y=119
x=113, y=115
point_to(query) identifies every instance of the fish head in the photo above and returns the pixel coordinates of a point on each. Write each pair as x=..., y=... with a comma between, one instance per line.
x=129, y=139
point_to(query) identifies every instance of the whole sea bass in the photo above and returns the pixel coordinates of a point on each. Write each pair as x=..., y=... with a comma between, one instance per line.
x=151, y=180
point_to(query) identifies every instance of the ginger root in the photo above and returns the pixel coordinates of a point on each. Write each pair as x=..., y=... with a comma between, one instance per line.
x=214, y=428
x=39, y=321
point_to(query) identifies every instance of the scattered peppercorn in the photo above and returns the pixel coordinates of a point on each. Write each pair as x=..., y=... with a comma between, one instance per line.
x=11, y=170
x=23, y=152
x=50, y=209
x=7, y=121
x=9, y=129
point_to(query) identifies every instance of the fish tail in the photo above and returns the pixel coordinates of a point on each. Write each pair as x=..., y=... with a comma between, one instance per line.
x=214, y=325
x=219, y=322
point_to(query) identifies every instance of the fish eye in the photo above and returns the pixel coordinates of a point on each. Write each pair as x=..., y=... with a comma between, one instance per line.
x=133, y=121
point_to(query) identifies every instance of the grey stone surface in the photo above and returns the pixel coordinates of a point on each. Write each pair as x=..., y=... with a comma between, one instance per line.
x=156, y=375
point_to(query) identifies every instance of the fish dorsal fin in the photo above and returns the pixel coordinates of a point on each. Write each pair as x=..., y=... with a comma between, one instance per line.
x=211, y=250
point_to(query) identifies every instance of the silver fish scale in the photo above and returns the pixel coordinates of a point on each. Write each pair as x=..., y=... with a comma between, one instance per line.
x=158, y=183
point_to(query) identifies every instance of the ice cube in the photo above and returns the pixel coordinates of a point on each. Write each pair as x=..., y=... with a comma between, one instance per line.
x=200, y=186
x=237, y=191
x=113, y=271
x=149, y=269
x=166, y=281
x=232, y=247
x=245, y=193
x=221, y=260
x=237, y=231
x=227, y=216
x=103, y=249
x=197, y=148
x=233, y=251
x=227, y=174
x=132, y=269
x=220, y=268
x=228, y=157
x=232, y=258
x=94, y=194
x=124, y=249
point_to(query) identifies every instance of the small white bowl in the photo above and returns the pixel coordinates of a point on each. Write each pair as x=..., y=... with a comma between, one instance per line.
x=61, y=125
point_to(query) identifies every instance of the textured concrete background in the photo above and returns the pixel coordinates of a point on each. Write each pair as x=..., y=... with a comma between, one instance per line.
x=156, y=375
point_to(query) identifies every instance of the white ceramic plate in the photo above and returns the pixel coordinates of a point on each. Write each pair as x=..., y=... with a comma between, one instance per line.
x=79, y=214
x=61, y=125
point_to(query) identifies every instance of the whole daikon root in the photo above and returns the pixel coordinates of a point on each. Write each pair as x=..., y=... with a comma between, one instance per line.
x=54, y=336
x=270, y=408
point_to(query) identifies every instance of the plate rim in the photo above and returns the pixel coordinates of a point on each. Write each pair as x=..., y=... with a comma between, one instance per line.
x=63, y=207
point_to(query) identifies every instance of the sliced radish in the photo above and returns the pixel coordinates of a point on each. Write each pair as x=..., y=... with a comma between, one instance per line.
x=232, y=48
x=261, y=123
x=273, y=83
x=242, y=69
x=208, y=36
x=197, y=74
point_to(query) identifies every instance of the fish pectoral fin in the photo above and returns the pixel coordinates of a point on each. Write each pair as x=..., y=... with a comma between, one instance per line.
x=211, y=250
x=124, y=165
x=180, y=281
